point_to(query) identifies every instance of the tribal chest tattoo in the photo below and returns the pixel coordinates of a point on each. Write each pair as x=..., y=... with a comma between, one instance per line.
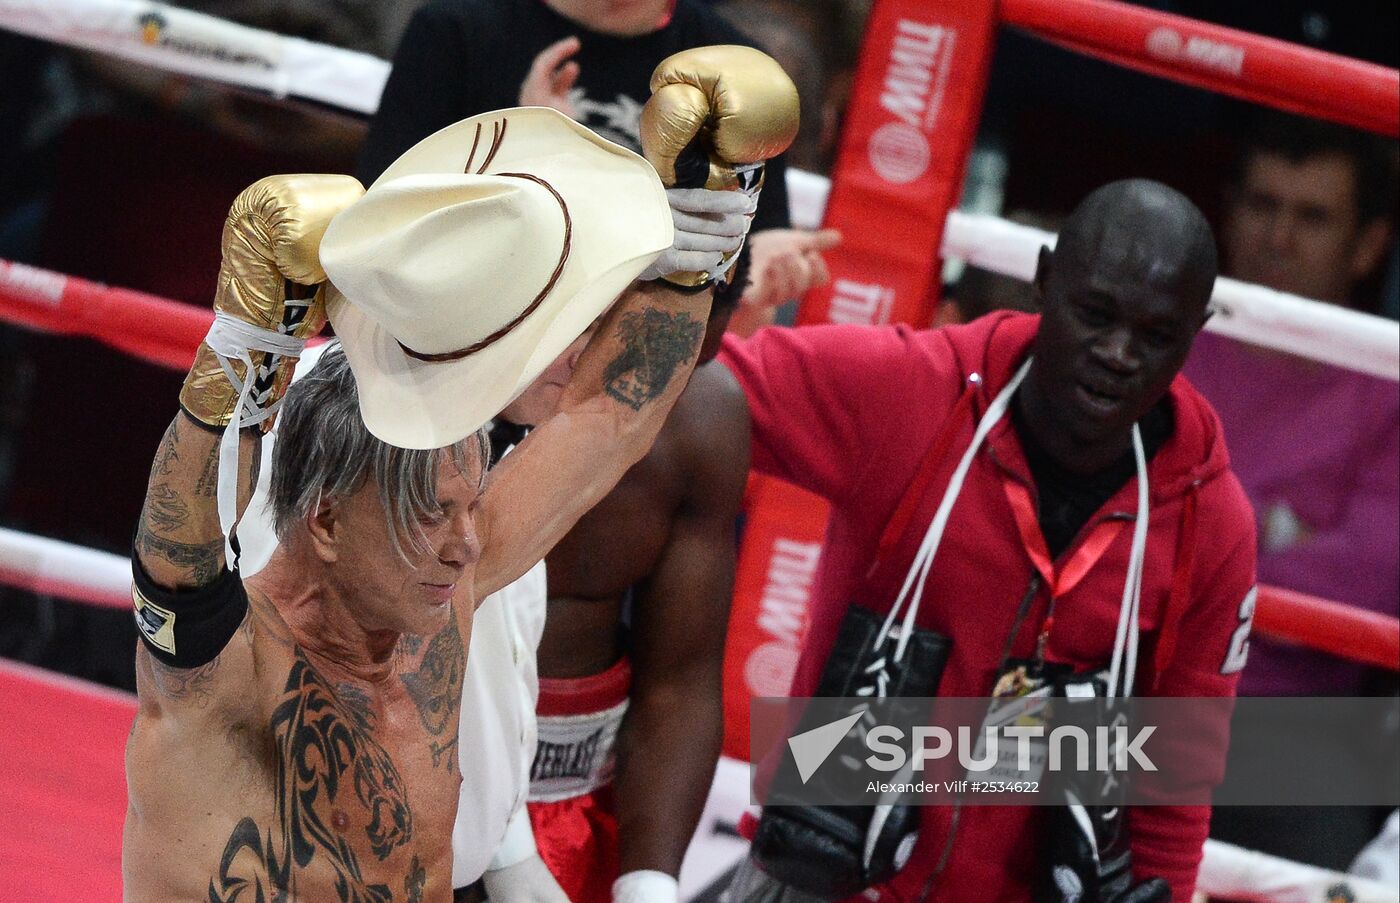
x=328, y=763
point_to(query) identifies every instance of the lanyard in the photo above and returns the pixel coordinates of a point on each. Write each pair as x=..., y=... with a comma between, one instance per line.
x=1071, y=570
x=1089, y=552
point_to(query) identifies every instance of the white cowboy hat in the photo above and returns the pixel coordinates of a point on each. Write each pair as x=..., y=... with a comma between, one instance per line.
x=474, y=261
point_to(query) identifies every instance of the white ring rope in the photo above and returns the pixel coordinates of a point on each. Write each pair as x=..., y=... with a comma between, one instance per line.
x=44, y=565
x=1251, y=313
x=1232, y=873
x=191, y=43
x=179, y=40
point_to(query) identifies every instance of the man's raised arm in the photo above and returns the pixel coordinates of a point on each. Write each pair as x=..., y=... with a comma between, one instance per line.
x=716, y=113
x=266, y=305
x=627, y=380
x=178, y=540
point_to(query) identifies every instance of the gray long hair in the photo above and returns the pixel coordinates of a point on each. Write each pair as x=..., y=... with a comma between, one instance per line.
x=324, y=451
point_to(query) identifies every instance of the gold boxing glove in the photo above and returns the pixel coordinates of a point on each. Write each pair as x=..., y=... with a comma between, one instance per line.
x=737, y=107
x=272, y=237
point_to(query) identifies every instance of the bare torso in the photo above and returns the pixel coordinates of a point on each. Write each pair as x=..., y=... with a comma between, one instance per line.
x=619, y=543
x=274, y=774
x=613, y=547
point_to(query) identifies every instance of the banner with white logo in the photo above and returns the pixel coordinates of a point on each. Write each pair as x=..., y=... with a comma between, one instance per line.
x=909, y=130
x=777, y=569
x=180, y=40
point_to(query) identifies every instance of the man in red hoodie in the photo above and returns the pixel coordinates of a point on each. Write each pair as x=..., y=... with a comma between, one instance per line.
x=1033, y=563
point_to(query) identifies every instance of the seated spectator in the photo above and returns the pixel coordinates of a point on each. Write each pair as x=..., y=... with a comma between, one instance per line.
x=1317, y=448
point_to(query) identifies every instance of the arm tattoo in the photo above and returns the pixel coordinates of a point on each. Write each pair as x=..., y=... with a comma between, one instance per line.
x=172, y=513
x=656, y=343
x=208, y=484
x=185, y=683
x=165, y=510
x=202, y=561
x=166, y=455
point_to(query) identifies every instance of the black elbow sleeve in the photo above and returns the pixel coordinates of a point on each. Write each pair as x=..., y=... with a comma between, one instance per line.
x=187, y=629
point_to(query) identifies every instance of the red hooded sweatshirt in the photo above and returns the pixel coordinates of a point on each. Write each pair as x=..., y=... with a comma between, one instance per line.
x=850, y=413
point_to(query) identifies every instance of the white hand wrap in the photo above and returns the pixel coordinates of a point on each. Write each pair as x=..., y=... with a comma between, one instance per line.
x=233, y=339
x=646, y=886
x=710, y=226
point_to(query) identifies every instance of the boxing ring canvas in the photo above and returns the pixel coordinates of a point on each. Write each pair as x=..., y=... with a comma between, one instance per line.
x=64, y=798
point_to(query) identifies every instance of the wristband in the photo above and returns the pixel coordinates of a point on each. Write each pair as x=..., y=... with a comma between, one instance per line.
x=191, y=628
x=646, y=886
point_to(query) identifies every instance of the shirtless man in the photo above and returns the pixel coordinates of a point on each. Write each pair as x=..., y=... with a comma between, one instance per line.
x=296, y=735
x=314, y=754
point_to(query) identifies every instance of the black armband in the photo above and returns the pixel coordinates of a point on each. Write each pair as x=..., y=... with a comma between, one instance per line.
x=187, y=629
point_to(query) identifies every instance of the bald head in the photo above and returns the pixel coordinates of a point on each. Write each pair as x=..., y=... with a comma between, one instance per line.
x=1123, y=295
x=1141, y=231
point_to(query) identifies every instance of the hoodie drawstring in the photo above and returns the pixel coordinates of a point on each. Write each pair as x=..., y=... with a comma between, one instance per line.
x=1167, y=631
x=1125, y=641
x=923, y=560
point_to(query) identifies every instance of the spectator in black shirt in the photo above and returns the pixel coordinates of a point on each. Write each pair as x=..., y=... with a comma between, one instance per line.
x=591, y=59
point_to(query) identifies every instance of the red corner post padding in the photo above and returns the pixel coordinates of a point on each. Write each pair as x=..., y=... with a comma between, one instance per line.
x=783, y=532
x=155, y=329
x=1243, y=65
x=909, y=131
x=64, y=802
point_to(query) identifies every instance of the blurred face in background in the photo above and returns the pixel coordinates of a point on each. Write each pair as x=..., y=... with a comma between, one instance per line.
x=624, y=18
x=1295, y=227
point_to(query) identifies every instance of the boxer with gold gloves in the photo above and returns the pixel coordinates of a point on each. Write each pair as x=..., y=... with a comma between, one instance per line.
x=295, y=735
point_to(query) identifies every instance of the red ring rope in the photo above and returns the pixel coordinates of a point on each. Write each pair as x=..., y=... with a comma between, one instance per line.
x=1343, y=630
x=154, y=329
x=1248, y=66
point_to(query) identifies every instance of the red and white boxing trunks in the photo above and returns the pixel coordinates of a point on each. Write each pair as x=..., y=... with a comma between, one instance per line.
x=571, y=803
